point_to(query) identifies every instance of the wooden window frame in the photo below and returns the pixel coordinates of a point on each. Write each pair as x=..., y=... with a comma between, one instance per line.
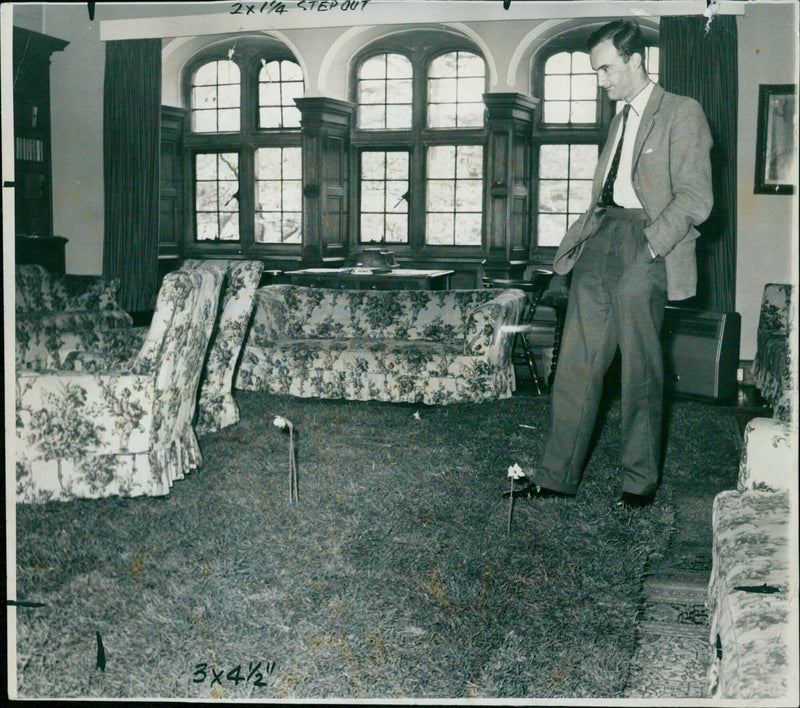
x=420, y=49
x=564, y=134
x=247, y=54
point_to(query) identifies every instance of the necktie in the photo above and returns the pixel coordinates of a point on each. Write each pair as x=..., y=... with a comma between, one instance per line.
x=607, y=195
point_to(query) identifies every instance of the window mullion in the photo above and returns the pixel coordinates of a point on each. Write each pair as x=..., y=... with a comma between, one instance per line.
x=417, y=181
x=247, y=194
x=248, y=112
x=416, y=202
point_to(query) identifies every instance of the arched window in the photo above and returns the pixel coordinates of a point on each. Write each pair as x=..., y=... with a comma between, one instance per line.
x=243, y=148
x=572, y=127
x=420, y=139
x=216, y=97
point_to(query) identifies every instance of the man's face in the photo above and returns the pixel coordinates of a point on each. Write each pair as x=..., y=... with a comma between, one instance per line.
x=619, y=78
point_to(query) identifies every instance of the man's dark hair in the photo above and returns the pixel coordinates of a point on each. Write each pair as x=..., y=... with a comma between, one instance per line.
x=625, y=34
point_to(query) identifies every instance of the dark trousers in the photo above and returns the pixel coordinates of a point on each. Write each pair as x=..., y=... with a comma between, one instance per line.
x=617, y=299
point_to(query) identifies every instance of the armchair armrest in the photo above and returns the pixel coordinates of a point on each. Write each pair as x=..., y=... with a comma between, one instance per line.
x=99, y=350
x=769, y=455
x=485, y=330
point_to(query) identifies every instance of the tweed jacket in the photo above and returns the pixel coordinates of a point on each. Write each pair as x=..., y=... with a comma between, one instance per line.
x=671, y=175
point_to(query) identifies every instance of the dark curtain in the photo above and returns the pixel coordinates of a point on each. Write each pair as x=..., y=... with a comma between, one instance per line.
x=703, y=65
x=131, y=135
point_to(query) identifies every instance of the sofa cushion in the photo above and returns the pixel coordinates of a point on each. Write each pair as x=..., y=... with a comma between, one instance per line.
x=772, y=368
x=769, y=455
x=36, y=290
x=47, y=307
x=216, y=407
x=380, y=314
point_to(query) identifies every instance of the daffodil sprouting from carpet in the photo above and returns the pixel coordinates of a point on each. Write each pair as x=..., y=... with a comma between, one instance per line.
x=514, y=472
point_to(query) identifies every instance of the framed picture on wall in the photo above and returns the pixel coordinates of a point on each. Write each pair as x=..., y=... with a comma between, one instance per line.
x=775, y=145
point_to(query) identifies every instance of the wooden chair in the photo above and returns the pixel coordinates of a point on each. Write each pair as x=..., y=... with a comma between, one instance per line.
x=528, y=329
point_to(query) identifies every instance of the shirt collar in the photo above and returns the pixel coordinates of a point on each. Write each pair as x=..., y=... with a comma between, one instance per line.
x=640, y=100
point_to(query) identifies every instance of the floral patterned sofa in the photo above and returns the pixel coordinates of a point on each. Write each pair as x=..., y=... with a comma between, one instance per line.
x=123, y=429
x=772, y=365
x=45, y=308
x=406, y=346
x=752, y=593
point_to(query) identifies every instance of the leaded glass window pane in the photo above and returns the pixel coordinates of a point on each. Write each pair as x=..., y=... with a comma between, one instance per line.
x=279, y=196
x=565, y=187
x=454, y=195
x=215, y=97
x=217, y=196
x=456, y=82
x=570, y=89
x=279, y=83
x=384, y=196
x=384, y=92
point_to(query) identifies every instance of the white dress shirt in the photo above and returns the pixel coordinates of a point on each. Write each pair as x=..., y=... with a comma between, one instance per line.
x=624, y=195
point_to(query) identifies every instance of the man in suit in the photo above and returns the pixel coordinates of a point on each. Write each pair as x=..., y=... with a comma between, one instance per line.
x=630, y=252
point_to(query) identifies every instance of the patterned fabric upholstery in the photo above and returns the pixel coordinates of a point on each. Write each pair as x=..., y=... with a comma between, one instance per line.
x=97, y=349
x=751, y=532
x=751, y=597
x=772, y=364
x=412, y=346
x=216, y=408
x=126, y=431
x=47, y=308
x=769, y=455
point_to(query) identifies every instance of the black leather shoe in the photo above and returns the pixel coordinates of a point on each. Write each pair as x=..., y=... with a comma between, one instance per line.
x=535, y=491
x=634, y=501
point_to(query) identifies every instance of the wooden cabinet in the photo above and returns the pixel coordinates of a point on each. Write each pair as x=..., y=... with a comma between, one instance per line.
x=31, y=71
x=509, y=121
x=170, y=225
x=46, y=251
x=326, y=129
x=170, y=197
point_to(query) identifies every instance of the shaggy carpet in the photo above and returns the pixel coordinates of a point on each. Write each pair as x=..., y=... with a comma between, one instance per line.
x=394, y=576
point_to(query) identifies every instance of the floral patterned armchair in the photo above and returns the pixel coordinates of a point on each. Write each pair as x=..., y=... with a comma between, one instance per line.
x=125, y=430
x=216, y=408
x=389, y=345
x=751, y=590
x=46, y=309
x=772, y=364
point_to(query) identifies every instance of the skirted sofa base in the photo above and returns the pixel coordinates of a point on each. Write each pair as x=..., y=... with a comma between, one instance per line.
x=752, y=595
x=413, y=346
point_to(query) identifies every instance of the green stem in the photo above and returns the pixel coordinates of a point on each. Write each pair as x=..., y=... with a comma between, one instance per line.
x=510, y=506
